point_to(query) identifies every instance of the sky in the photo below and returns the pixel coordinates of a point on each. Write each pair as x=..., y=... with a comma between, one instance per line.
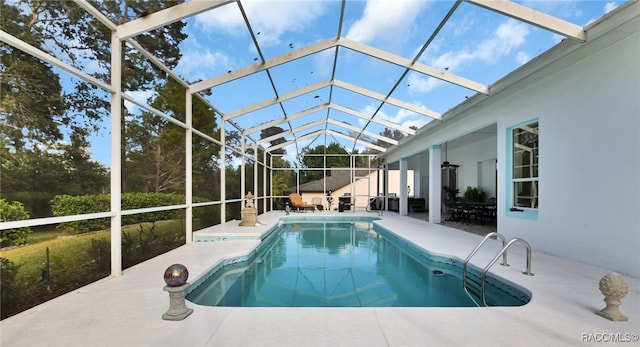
x=475, y=43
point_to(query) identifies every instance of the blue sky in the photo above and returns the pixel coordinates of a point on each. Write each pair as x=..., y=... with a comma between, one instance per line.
x=475, y=43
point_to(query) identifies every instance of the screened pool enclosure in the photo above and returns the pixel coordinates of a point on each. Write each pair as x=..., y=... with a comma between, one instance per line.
x=139, y=116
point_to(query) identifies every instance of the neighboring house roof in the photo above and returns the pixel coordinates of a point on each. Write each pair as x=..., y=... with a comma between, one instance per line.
x=336, y=180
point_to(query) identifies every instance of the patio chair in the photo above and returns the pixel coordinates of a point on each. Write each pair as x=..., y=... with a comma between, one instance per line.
x=298, y=204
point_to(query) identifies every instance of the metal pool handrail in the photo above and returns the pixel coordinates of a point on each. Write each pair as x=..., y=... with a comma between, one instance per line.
x=475, y=250
x=502, y=252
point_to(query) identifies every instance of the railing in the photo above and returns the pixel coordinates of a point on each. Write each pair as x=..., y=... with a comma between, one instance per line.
x=368, y=207
x=483, y=277
x=475, y=250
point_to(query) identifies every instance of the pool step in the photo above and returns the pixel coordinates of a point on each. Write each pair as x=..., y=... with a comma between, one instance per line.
x=474, y=288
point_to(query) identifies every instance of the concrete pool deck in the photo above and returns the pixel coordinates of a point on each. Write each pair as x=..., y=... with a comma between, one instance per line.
x=127, y=310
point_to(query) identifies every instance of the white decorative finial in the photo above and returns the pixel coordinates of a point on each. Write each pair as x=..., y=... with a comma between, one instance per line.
x=614, y=287
x=249, y=198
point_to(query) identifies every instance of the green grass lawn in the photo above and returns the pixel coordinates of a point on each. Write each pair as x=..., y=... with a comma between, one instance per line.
x=75, y=260
x=44, y=235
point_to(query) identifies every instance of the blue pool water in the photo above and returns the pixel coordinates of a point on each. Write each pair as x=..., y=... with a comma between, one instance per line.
x=339, y=263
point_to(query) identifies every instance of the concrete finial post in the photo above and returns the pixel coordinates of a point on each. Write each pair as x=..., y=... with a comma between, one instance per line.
x=249, y=198
x=249, y=213
x=614, y=287
x=178, y=309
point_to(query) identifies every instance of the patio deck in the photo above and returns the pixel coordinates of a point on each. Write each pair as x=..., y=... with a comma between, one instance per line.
x=127, y=310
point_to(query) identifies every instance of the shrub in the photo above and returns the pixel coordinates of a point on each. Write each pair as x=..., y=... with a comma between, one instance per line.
x=475, y=195
x=9, y=272
x=67, y=205
x=100, y=252
x=11, y=212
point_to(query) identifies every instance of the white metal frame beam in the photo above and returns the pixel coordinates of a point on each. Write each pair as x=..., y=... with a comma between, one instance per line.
x=329, y=132
x=296, y=140
x=346, y=43
x=167, y=16
x=375, y=120
x=289, y=132
x=37, y=53
x=415, y=66
x=533, y=17
x=363, y=132
x=270, y=102
x=328, y=121
x=335, y=107
x=269, y=63
x=353, y=139
x=324, y=84
x=377, y=96
x=279, y=121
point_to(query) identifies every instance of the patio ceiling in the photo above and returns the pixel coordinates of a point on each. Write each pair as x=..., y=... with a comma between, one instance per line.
x=343, y=87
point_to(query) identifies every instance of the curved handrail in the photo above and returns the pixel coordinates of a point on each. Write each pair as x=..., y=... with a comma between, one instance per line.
x=504, y=251
x=475, y=250
x=368, y=207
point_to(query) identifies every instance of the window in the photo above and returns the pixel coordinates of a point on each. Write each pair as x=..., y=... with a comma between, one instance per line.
x=523, y=173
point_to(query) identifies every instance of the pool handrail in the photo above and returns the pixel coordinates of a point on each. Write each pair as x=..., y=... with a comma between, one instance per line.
x=475, y=250
x=504, y=251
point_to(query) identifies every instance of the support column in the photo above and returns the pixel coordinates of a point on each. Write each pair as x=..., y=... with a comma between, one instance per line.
x=223, y=173
x=116, y=155
x=435, y=184
x=385, y=186
x=266, y=191
x=243, y=168
x=404, y=203
x=256, y=187
x=189, y=169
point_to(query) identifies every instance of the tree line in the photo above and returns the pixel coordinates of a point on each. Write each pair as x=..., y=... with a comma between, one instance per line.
x=47, y=118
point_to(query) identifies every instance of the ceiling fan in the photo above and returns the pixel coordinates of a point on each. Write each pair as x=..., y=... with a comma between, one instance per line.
x=446, y=163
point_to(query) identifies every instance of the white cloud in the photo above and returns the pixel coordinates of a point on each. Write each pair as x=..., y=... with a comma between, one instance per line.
x=462, y=26
x=389, y=21
x=420, y=84
x=507, y=37
x=270, y=18
x=226, y=18
x=610, y=6
x=562, y=9
x=323, y=62
x=197, y=61
x=139, y=95
x=522, y=57
x=404, y=118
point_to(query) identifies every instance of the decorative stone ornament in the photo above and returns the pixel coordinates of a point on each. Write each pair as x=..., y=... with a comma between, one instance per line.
x=249, y=199
x=614, y=287
x=178, y=310
x=175, y=276
x=249, y=213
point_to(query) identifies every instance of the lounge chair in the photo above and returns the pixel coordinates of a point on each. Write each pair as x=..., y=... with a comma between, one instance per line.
x=298, y=204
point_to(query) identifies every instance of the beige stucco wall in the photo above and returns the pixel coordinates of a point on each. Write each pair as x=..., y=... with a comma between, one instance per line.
x=363, y=188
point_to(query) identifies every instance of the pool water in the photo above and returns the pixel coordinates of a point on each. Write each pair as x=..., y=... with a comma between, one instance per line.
x=338, y=264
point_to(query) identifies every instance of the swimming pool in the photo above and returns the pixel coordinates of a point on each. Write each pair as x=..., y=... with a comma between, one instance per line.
x=339, y=262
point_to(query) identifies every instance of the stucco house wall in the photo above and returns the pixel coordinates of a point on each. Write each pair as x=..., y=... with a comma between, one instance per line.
x=587, y=103
x=589, y=116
